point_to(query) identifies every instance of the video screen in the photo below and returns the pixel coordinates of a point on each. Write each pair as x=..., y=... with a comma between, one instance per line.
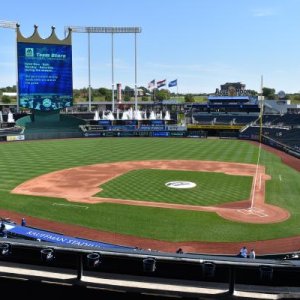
x=45, y=76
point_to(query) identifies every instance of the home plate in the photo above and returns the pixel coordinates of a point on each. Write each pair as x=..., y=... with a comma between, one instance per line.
x=253, y=211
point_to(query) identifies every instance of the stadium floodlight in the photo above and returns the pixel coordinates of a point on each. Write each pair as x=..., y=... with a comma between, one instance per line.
x=112, y=31
x=8, y=24
x=12, y=25
x=90, y=29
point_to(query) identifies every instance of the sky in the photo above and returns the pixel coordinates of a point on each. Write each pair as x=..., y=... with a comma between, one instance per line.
x=201, y=43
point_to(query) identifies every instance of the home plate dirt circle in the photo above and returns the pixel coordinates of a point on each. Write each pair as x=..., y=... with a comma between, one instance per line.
x=79, y=184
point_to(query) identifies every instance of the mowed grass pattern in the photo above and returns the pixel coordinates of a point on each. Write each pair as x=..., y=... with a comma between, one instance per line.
x=149, y=185
x=21, y=161
x=24, y=160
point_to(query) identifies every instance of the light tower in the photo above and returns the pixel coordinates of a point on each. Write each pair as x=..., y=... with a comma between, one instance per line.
x=112, y=31
x=12, y=25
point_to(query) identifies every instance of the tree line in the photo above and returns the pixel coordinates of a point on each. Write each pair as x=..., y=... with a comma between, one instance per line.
x=104, y=94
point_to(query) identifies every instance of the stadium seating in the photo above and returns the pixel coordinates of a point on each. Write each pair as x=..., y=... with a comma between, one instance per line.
x=138, y=271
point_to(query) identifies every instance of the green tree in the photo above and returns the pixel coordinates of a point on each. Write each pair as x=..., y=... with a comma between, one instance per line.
x=103, y=91
x=127, y=97
x=128, y=93
x=95, y=93
x=268, y=93
x=11, y=89
x=76, y=93
x=108, y=97
x=189, y=98
x=145, y=91
x=5, y=99
x=252, y=92
x=162, y=94
x=295, y=98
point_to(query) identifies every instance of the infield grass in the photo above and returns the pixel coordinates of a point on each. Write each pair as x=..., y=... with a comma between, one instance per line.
x=21, y=161
x=149, y=185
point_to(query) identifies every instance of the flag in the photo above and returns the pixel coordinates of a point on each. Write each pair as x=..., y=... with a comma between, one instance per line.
x=151, y=84
x=161, y=83
x=172, y=83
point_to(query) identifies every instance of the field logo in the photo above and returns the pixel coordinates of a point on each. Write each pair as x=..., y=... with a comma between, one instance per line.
x=181, y=184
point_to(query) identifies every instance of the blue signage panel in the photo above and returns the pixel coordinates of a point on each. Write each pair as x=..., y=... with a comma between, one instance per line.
x=152, y=128
x=56, y=238
x=160, y=133
x=45, y=76
x=104, y=122
x=130, y=122
x=157, y=122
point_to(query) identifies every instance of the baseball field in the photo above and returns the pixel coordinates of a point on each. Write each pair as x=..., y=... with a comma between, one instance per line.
x=134, y=200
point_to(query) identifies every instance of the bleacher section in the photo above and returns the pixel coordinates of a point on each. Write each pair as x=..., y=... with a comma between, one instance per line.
x=225, y=104
x=289, y=137
x=292, y=120
x=288, y=120
x=284, y=128
x=222, y=116
x=269, y=119
x=228, y=119
x=284, y=138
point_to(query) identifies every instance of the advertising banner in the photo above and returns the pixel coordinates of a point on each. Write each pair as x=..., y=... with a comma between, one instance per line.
x=45, y=76
x=11, y=138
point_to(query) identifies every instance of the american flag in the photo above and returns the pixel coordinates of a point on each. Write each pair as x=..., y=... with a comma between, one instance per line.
x=151, y=84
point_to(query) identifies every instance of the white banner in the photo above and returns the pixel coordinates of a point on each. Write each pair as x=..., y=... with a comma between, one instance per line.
x=20, y=137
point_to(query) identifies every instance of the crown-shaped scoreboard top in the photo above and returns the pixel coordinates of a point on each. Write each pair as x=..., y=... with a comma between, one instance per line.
x=52, y=39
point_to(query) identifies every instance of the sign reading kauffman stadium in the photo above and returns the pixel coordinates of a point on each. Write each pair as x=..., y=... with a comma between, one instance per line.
x=44, y=72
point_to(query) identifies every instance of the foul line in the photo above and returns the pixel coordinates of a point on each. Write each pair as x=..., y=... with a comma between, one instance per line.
x=259, y=188
x=72, y=205
x=255, y=178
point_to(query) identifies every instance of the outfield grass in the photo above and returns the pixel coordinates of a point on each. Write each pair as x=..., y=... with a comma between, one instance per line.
x=21, y=161
x=149, y=185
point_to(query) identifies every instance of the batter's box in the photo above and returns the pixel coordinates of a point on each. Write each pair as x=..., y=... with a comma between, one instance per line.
x=253, y=211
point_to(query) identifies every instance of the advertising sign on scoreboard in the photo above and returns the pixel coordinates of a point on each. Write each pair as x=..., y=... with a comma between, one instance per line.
x=44, y=72
x=45, y=76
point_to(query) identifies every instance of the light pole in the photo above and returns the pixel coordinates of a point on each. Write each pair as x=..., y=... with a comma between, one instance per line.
x=13, y=25
x=89, y=62
x=112, y=31
x=112, y=73
x=135, y=74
